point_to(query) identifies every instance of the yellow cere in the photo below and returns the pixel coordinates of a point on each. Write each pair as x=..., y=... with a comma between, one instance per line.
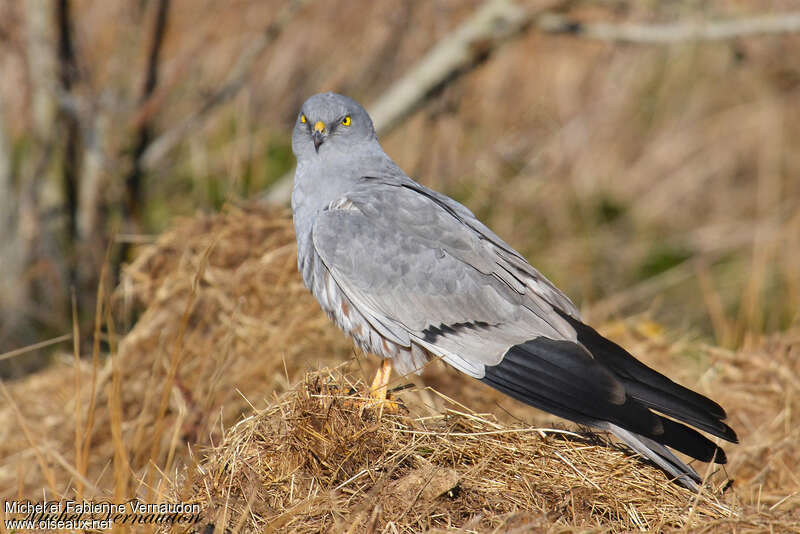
x=346, y=121
x=319, y=126
x=303, y=119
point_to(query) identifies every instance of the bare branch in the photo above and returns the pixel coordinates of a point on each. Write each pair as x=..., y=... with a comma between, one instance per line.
x=6, y=180
x=161, y=146
x=494, y=23
x=12, y=252
x=673, y=33
x=470, y=44
x=498, y=20
x=67, y=73
x=94, y=159
x=134, y=178
x=42, y=66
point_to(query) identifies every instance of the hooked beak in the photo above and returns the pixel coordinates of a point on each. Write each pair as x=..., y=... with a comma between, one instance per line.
x=318, y=135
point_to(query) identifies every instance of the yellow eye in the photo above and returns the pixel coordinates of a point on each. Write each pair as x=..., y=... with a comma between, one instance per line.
x=346, y=121
x=303, y=118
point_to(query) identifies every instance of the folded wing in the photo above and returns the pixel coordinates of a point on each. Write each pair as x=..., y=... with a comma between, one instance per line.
x=425, y=269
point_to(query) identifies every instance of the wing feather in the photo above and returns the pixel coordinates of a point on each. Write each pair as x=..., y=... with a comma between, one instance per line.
x=409, y=265
x=419, y=265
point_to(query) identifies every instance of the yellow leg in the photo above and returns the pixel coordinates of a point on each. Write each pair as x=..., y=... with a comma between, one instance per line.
x=379, y=388
x=381, y=381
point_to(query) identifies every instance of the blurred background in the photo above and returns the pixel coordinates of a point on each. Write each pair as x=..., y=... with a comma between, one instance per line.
x=645, y=162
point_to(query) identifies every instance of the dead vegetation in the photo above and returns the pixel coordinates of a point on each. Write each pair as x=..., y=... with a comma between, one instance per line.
x=226, y=336
x=654, y=183
x=320, y=459
x=607, y=164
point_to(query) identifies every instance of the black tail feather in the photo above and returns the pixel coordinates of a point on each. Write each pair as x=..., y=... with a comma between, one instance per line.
x=690, y=442
x=652, y=388
x=562, y=378
x=597, y=383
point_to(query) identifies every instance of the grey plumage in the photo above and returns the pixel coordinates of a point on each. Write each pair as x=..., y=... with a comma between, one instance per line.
x=410, y=273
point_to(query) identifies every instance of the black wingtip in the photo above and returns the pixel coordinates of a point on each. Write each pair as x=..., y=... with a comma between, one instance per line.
x=562, y=378
x=690, y=442
x=651, y=387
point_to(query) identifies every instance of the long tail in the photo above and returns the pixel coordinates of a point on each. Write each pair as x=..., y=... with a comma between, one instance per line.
x=597, y=383
x=684, y=474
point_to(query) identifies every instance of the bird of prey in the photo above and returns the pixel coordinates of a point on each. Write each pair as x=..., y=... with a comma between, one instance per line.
x=411, y=274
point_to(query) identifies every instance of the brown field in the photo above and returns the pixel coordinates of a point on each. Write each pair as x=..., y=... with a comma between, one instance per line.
x=656, y=184
x=213, y=398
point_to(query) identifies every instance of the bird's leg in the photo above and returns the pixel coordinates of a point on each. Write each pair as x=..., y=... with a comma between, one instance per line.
x=380, y=384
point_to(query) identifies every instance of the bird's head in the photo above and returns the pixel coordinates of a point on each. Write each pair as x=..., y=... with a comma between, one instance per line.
x=329, y=121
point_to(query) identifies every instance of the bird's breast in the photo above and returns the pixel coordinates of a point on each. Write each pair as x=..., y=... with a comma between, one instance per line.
x=346, y=315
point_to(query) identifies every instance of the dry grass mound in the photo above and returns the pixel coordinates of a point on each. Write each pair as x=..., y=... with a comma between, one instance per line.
x=322, y=459
x=196, y=402
x=219, y=314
